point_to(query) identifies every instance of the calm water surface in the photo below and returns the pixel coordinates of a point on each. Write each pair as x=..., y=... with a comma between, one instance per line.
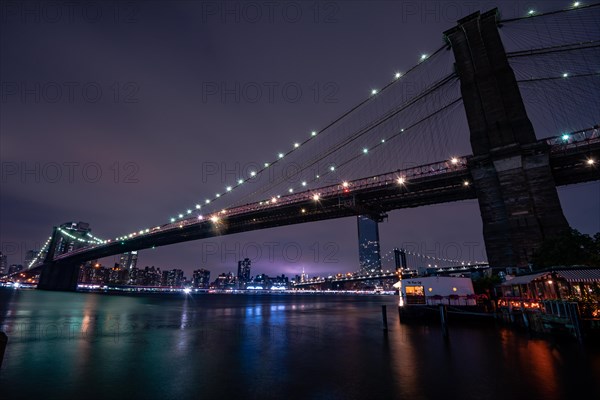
x=77, y=345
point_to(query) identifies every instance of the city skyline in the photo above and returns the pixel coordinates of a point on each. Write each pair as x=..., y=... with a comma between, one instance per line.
x=311, y=198
x=167, y=142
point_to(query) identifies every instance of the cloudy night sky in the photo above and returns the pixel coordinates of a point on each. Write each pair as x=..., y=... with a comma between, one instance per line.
x=122, y=114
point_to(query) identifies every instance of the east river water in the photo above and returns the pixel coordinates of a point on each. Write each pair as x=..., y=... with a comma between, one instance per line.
x=218, y=346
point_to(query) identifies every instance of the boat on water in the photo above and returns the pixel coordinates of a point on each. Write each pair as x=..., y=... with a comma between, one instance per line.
x=423, y=297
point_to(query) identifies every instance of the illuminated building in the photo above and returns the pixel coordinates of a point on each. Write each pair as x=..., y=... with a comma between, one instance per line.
x=243, y=274
x=201, y=278
x=368, y=245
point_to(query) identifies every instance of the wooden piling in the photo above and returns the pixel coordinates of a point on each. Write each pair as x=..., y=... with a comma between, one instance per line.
x=384, y=317
x=575, y=319
x=3, y=342
x=525, y=319
x=444, y=320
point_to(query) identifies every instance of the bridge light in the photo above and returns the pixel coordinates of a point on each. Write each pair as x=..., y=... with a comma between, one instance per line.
x=228, y=188
x=252, y=173
x=530, y=12
x=223, y=211
x=291, y=190
x=198, y=206
x=345, y=184
x=274, y=200
x=281, y=155
x=565, y=75
x=401, y=180
x=374, y=91
x=214, y=219
x=365, y=150
x=296, y=145
x=332, y=168
x=576, y=4
x=591, y=161
x=382, y=140
x=240, y=181
x=304, y=183
x=398, y=75
x=180, y=215
x=466, y=183
x=189, y=211
x=207, y=201
x=565, y=137
x=316, y=197
x=423, y=57
x=266, y=165
x=313, y=133
x=454, y=160
x=187, y=290
x=218, y=195
x=317, y=176
x=303, y=210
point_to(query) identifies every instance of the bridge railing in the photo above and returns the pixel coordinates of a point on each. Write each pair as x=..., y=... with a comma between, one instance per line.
x=574, y=140
x=459, y=163
x=456, y=164
x=80, y=250
x=564, y=142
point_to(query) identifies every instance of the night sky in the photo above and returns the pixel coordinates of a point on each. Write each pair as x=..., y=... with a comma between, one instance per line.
x=128, y=97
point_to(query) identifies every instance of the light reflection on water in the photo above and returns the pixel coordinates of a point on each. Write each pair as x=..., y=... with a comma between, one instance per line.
x=261, y=346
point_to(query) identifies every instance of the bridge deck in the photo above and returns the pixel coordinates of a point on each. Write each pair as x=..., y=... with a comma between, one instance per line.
x=422, y=185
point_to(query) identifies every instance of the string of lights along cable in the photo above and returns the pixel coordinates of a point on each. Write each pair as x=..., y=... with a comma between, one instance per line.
x=416, y=119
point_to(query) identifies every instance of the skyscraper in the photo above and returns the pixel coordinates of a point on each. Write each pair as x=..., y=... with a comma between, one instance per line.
x=118, y=275
x=3, y=264
x=201, y=278
x=128, y=260
x=400, y=258
x=175, y=277
x=29, y=257
x=15, y=268
x=243, y=274
x=368, y=245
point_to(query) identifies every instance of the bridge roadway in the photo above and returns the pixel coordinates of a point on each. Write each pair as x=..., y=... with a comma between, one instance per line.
x=378, y=275
x=435, y=183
